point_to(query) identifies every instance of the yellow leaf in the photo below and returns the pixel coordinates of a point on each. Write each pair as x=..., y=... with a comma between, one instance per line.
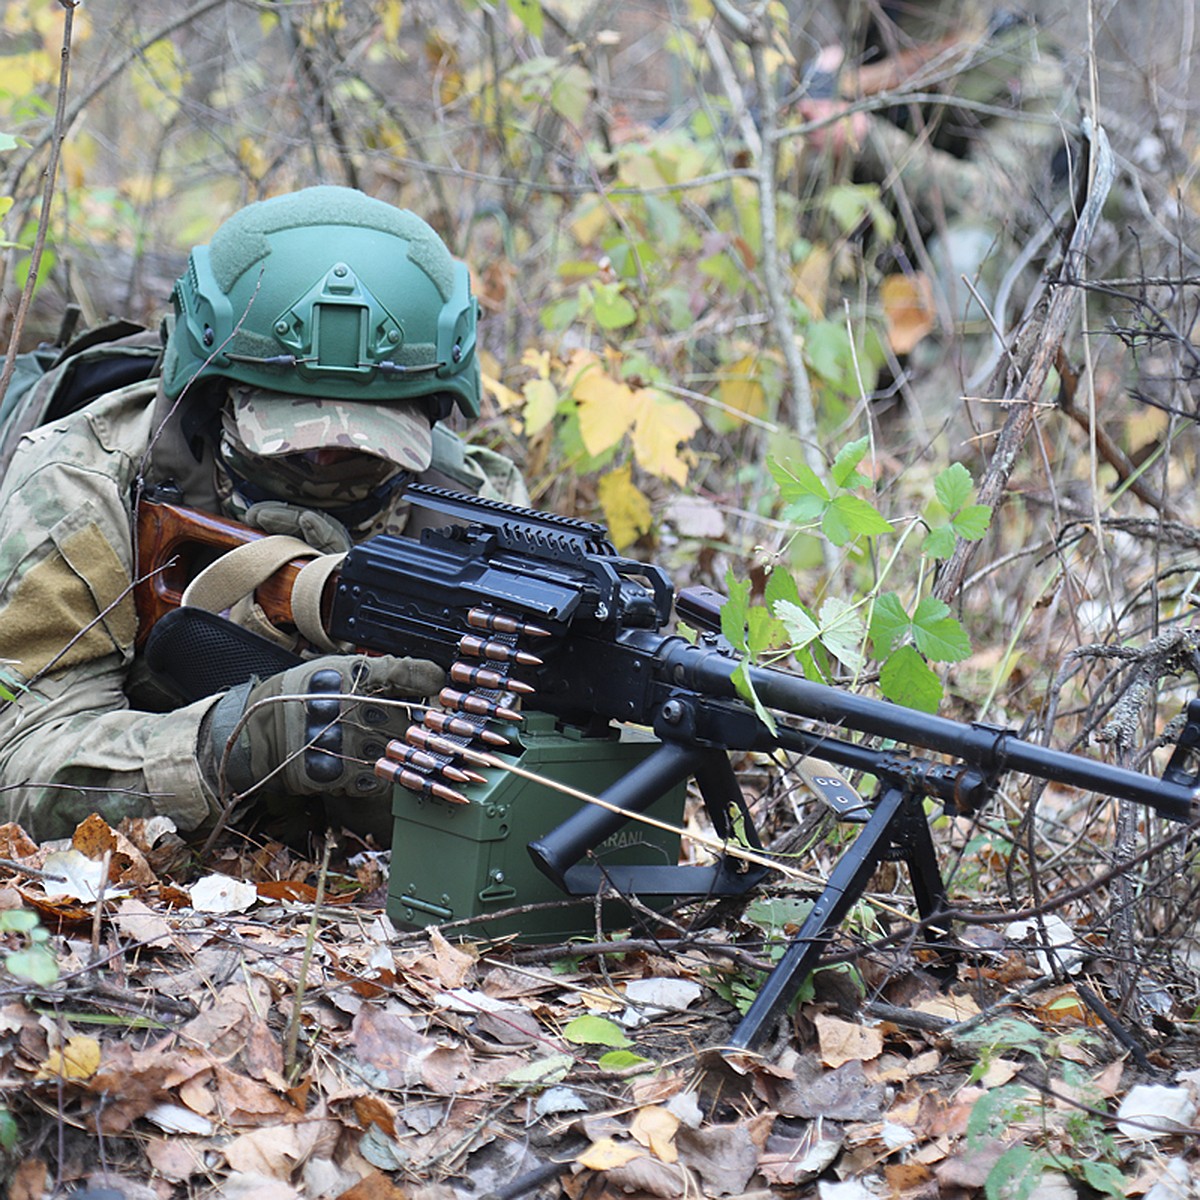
x=662, y=424
x=79, y=1058
x=740, y=390
x=606, y=1154
x=504, y=396
x=607, y=408
x=1145, y=424
x=811, y=284
x=541, y=403
x=251, y=156
x=537, y=360
x=159, y=77
x=391, y=16
x=908, y=309
x=655, y=1128
x=591, y=221
x=142, y=189
x=626, y=509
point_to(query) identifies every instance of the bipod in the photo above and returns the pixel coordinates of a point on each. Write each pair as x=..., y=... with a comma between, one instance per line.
x=896, y=829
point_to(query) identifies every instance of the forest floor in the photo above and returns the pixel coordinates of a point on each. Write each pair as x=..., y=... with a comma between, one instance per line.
x=255, y=1027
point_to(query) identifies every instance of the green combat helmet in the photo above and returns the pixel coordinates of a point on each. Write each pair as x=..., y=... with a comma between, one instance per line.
x=331, y=294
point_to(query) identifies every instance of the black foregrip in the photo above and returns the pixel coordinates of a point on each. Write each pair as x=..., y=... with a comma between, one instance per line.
x=555, y=853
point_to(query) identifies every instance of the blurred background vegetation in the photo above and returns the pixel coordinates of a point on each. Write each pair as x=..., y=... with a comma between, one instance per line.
x=760, y=286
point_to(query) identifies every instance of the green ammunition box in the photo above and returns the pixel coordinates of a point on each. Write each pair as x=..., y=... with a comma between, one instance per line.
x=454, y=861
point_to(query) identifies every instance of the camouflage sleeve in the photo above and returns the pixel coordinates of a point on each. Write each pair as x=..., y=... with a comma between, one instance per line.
x=1023, y=105
x=69, y=742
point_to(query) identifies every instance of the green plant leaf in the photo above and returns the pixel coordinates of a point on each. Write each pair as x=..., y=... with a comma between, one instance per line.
x=612, y=309
x=745, y=688
x=995, y=1110
x=972, y=522
x=907, y=679
x=529, y=13
x=37, y=964
x=890, y=624
x=1016, y=1174
x=18, y=920
x=937, y=634
x=842, y=631
x=939, y=543
x=827, y=346
x=801, y=628
x=775, y=913
x=735, y=611
x=619, y=1060
x=953, y=487
x=571, y=92
x=592, y=1030
x=9, y=1133
x=844, y=470
x=1007, y=1033
x=781, y=585
x=1104, y=1177
x=862, y=516
x=560, y=314
x=765, y=632
x=542, y=1072
x=797, y=482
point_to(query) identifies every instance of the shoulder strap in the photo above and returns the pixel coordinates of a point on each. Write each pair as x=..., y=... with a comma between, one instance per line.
x=50, y=384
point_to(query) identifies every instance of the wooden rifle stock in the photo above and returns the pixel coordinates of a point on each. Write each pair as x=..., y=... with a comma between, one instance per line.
x=174, y=544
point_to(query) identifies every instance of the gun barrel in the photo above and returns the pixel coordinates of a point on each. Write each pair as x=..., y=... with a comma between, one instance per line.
x=990, y=748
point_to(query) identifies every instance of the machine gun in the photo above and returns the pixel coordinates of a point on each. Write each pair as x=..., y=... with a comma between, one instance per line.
x=539, y=622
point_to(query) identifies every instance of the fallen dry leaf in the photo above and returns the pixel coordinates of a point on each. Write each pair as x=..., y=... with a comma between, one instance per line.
x=375, y=1110
x=15, y=843
x=28, y=1181
x=843, y=1042
x=724, y=1156
x=375, y=1186
x=127, y=865
x=655, y=1128
x=177, y=1159
x=79, y=1058
x=141, y=924
x=606, y=1154
x=970, y=1168
x=222, y=894
x=952, y=1008
x=272, y=1152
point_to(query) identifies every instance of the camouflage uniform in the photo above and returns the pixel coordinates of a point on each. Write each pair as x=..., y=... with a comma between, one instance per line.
x=75, y=742
x=990, y=159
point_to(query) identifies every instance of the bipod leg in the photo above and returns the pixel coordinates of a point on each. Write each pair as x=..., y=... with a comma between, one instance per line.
x=846, y=885
x=915, y=843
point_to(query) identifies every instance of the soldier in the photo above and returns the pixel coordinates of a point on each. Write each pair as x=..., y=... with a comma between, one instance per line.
x=315, y=348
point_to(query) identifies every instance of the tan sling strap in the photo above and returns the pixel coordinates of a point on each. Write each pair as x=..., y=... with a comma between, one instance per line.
x=236, y=574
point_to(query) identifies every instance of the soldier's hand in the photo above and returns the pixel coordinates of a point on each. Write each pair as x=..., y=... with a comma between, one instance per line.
x=318, y=727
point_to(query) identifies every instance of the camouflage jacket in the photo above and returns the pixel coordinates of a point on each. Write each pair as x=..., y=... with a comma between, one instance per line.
x=71, y=741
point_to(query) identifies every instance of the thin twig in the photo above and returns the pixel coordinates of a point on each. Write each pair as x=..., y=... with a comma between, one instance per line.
x=58, y=132
x=291, y=1064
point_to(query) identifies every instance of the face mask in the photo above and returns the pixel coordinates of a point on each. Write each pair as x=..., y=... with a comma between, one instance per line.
x=310, y=477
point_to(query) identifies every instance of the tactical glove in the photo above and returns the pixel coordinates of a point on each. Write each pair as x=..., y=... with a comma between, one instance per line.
x=318, y=728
